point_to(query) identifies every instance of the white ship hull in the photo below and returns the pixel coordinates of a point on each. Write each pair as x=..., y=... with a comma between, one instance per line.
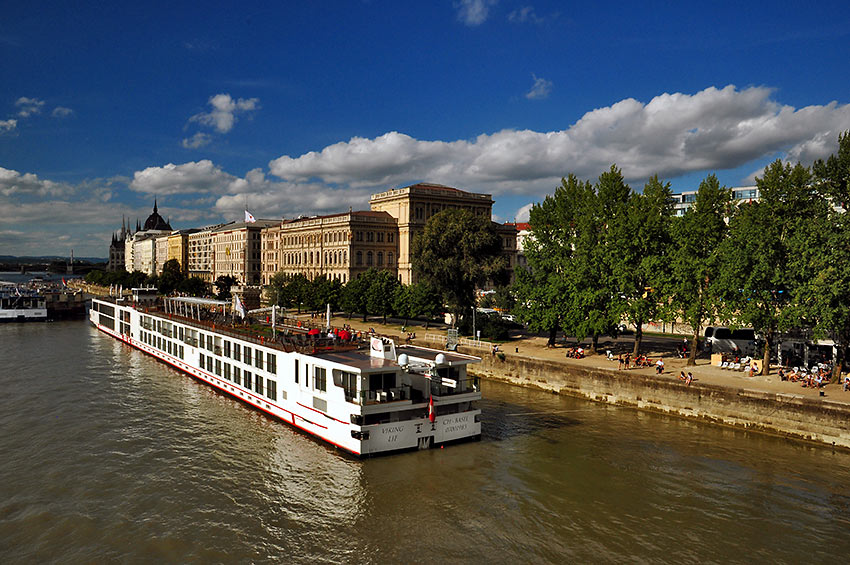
x=333, y=396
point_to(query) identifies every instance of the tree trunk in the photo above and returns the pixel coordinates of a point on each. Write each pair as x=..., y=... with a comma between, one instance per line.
x=364, y=316
x=765, y=369
x=692, y=356
x=594, y=344
x=553, y=333
x=838, y=362
x=638, y=338
x=385, y=319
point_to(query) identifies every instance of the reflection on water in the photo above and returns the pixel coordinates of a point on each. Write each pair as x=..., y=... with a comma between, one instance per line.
x=110, y=455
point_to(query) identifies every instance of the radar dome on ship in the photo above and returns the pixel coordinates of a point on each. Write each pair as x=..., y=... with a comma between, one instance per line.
x=440, y=359
x=403, y=359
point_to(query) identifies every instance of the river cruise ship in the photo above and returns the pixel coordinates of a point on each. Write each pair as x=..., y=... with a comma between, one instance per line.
x=364, y=396
x=18, y=305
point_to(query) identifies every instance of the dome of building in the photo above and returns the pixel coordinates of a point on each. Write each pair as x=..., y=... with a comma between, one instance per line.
x=155, y=221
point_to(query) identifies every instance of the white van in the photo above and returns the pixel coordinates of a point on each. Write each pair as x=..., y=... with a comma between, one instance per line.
x=725, y=340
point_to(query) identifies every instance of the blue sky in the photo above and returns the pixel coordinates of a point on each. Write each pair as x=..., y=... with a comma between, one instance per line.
x=309, y=107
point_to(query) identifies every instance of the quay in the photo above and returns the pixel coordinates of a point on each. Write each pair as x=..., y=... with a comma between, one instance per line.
x=717, y=396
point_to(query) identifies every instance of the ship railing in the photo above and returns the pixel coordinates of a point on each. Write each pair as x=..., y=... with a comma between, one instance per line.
x=450, y=387
x=380, y=396
x=441, y=340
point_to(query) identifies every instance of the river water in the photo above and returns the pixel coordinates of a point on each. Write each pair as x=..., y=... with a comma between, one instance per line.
x=107, y=455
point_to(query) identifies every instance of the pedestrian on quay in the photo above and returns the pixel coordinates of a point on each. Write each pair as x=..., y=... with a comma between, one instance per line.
x=628, y=361
x=620, y=362
x=659, y=366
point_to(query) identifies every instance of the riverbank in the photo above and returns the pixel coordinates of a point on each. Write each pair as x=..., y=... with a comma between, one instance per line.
x=763, y=403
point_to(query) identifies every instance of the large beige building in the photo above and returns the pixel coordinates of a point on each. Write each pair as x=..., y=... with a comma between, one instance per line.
x=200, y=254
x=178, y=248
x=411, y=206
x=236, y=251
x=338, y=246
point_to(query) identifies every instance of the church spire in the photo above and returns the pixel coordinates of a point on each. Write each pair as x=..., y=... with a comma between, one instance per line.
x=154, y=205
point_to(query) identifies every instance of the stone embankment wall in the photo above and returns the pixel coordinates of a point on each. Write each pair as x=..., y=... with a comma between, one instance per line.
x=814, y=419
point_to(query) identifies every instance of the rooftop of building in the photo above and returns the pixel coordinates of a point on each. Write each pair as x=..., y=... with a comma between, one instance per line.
x=431, y=188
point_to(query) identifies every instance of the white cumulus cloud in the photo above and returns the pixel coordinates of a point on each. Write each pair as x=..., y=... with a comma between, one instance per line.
x=8, y=125
x=222, y=117
x=473, y=12
x=198, y=140
x=28, y=184
x=62, y=112
x=671, y=135
x=540, y=89
x=525, y=14
x=193, y=177
x=28, y=106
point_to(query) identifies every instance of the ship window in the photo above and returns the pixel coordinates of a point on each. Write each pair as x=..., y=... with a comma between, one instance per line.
x=227, y=348
x=247, y=380
x=258, y=384
x=201, y=360
x=271, y=362
x=237, y=375
x=271, y=389
x=210, y=343
x=236, y=352
x=180, y=351
x=247, y=353
x=218, y=367
x=296, y=371
x=258, y=360
x=320, y=379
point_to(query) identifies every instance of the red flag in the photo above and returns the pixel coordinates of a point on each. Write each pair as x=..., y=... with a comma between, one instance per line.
x=63, y=282
x=432, y=414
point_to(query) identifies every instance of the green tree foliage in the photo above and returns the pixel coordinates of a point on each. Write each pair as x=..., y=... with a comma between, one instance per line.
x=171, y=278
x=355, y=295
x=755, y=280
x=402, y=303
x=637, y=245
x=456, y=253
x=542, y=288
x=425, y=301
x=194, y=286
x=222, y=285
x=325, y=291
x=694, y=257
x=381, y=293
x=117, y=278
x=821, y=254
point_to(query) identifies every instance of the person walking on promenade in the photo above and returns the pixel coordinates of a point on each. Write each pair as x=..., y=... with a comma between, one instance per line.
x=628, y=361
x=659, y=366
x=620, y=362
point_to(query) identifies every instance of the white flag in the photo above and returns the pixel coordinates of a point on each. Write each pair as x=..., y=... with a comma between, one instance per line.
x=237, y=305
x=249, y=218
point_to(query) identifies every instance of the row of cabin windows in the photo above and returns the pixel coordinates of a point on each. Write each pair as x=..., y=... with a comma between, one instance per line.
x=163, y=344
x=236, y=375
x=238, y=352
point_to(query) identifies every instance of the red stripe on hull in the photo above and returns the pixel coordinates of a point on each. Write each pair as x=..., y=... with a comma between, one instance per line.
x=153, y=353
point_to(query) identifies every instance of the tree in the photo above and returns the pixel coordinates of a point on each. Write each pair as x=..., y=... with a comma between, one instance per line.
x=381, y=292
x=194, y=286
x=754, y=279
x=542, y=287
x=172, y=276
x=694, y=257
x=223, y=284
x=456, y=253
x=402, y=303
x=820, y=251
x=595, y=306
x=355, y=294
x=638, y=241
x=325, y=291
x=425, y=301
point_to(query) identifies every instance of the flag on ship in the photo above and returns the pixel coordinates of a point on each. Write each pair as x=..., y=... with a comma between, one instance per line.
x=249, y=218
x=237, y=305
x=432, y=414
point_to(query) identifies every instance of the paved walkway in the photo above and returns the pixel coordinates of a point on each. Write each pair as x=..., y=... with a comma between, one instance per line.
x=535, y=347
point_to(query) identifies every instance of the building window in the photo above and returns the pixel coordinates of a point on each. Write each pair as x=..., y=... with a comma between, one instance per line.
x=380, y=258
x=390, y=237
x=258, y=384
x=369, y=259
x=320, y=379
x=390, y=258
x=359, y=258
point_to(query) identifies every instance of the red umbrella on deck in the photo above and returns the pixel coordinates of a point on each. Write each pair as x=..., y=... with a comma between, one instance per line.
x=314, y=331
x=344, y=334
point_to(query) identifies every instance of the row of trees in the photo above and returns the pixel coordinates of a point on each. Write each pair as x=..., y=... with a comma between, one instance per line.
x=601, y=253
x=171, y=279
x=375, y=292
